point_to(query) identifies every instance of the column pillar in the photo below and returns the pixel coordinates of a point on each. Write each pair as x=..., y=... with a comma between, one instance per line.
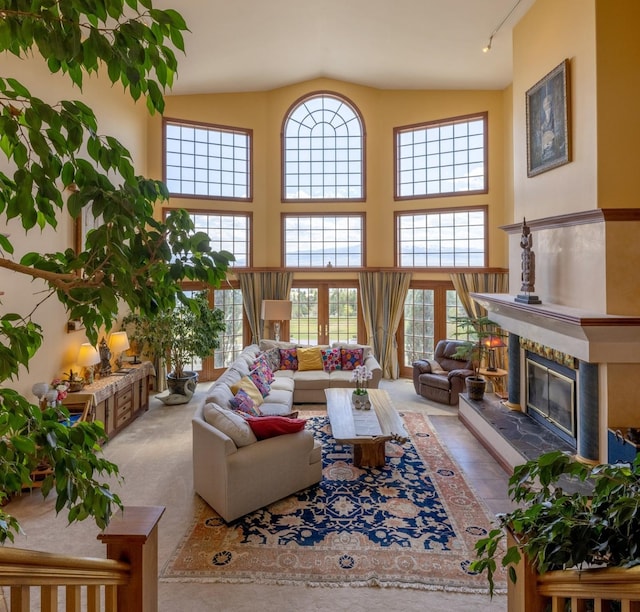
x=588, y=444
x=513, y=379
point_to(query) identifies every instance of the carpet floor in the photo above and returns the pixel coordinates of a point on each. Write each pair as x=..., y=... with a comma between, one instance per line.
x=411, y=524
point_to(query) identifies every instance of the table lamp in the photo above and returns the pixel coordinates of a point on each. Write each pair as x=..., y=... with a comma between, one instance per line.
x=118, y=343
x=88, y=356
x=276, y=311
x=492, y=343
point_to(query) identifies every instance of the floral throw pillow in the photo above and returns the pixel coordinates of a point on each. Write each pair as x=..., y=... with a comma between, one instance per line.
x=243, y=402
x=331, y=359
x=288, y=359
x=272, y=356
x=261, y=363
x=259, y=378
x=351, y=358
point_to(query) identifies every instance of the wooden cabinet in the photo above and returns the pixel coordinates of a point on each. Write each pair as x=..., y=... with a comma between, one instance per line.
x=118, y=399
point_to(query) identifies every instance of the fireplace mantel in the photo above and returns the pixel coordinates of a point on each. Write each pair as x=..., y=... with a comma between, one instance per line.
x=589, y=336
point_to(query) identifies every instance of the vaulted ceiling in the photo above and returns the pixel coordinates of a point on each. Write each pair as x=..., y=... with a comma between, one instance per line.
x=256, y=45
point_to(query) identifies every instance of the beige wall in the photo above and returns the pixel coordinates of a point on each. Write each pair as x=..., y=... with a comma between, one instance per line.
x=117, y=116
x=382, y=110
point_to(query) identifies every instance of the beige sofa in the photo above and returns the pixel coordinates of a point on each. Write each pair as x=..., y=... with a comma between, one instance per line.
x=236, y=474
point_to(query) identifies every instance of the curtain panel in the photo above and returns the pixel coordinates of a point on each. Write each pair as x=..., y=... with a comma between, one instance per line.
x=382, y=295
x=258, y=286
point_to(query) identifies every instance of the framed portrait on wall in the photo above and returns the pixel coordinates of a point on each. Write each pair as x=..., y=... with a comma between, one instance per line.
x=548, y=121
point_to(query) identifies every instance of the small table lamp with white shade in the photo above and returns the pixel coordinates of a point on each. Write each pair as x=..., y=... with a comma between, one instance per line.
x=88, y=356
x=276, y=311
x=118, y=343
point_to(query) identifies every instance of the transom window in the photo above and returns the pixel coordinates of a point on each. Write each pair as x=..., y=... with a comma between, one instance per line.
x=441, y=157
x=323, y=148
x=207, y=161
x=442, y=239
x=227, y=232
x=323, y=241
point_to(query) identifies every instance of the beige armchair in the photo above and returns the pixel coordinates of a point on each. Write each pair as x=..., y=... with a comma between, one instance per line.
x=442, y=378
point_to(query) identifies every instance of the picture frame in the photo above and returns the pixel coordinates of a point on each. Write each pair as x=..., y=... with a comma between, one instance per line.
x=549, y=121
x=84, y=224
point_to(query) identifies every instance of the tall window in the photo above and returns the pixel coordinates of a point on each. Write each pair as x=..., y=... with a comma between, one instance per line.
x=232, y=339
x=323, y=241
x=441, y=157
x=323, y=145
x=448, y=238
x=227, y=232
x=207, y=161
x=431, y=310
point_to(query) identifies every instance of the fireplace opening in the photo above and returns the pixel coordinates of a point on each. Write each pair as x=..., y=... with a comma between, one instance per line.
x=551, y=396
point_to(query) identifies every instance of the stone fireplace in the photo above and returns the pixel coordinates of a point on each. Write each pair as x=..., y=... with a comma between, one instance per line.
x=575, y=402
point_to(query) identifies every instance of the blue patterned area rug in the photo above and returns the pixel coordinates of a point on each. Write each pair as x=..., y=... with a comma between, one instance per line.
x=411, y=524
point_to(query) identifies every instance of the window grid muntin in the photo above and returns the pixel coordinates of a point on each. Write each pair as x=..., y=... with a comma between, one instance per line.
x=442, y=158
x=231, y=340
x=343, y=314
x=419, y=325
x=332, y=233
x=441, y=239
x=227, y=232
x=207, y=161
x=303, y=327
x=455, y=313
x=323, y=150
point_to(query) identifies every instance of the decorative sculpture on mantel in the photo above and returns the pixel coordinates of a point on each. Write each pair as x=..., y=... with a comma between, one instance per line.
x=105, y=359
x=528, y=268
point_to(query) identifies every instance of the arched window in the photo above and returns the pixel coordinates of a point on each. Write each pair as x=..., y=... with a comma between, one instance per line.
x=323, y=150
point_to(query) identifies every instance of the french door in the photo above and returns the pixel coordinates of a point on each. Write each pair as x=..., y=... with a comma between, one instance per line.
x=324, y=313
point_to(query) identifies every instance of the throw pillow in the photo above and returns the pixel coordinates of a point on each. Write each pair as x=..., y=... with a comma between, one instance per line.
x=249, y=386
x=244, y=403
x=260, y=380
x=262, y=364
x=273, y=358
x=288, y=359
x=271, y=426
x=309, y=358
x=331, y=359
x=230, y=424
x=351, y=358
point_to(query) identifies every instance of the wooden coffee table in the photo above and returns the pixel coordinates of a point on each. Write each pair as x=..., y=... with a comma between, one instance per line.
x=366, y=430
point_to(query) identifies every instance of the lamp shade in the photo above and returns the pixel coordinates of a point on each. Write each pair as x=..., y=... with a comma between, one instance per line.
x=119, y=342
x=87, y=355
x=276, y=310
x=494, y=342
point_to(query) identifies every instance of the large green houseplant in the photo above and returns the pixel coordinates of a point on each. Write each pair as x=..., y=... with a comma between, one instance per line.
x=569, y=515
x=475, y=349
x=190, y=330
x=59, y=165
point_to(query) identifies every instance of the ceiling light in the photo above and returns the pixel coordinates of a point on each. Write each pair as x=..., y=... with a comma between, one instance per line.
x=488, y=46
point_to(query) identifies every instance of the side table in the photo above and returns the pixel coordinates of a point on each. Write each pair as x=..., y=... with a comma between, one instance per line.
x=496, y=378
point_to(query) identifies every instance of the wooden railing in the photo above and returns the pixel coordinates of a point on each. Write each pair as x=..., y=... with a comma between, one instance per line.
x=533, y=592
x=126, y=581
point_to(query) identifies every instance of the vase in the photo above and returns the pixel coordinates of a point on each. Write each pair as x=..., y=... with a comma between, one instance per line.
x=475, y=387
x=360, y=401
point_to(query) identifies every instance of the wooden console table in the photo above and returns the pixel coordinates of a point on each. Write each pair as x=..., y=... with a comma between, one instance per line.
x=117, y=399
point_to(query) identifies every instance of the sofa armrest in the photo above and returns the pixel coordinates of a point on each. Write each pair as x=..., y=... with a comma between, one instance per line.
x=422, y=366
x=376, y=371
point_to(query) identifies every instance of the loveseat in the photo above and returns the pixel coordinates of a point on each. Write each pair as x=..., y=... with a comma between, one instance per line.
x=442, y=378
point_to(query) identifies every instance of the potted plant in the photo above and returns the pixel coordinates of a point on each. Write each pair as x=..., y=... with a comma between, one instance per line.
x=475, y=350
x=181, y=334
x=570, y=515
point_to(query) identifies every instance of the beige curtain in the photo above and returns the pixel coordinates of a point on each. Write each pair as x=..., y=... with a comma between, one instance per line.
x=382, y=295
x=478, y=282
x=258, y=286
